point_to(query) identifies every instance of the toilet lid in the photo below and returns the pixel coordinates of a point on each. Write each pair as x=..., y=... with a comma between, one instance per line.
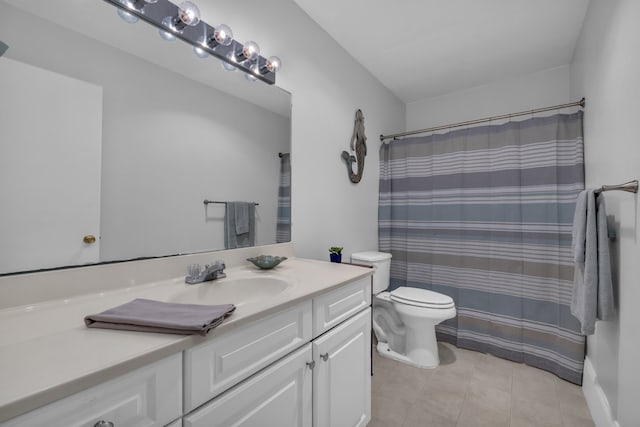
x=421, y=298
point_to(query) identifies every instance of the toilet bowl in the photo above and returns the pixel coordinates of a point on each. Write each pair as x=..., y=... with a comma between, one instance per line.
x=404, y=319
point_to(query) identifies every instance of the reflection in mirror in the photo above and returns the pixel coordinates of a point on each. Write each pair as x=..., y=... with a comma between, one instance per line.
x=107, y=131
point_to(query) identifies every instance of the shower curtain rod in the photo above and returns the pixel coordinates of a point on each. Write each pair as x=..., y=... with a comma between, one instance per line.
x=580, y=103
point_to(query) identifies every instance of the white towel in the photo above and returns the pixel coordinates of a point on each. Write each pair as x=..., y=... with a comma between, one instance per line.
x=592, y=296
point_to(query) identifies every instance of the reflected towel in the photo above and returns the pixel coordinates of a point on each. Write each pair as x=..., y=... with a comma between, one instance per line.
x=156, y=316
x=242, y=217
x=232, y=239
x=592, y=295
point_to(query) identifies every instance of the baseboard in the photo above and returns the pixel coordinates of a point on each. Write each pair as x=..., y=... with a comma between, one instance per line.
x=596, y=399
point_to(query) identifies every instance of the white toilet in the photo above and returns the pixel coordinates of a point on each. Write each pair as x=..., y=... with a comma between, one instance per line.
x=404, y=319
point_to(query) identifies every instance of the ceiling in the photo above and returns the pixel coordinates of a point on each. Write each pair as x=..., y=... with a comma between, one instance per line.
x=424, y=48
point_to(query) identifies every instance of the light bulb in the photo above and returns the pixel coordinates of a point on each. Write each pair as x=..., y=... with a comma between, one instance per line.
x=229, y=66
x=165, y=35
x=274, y=64
x=137, y=4
x=127, y=17
x=200, y=52
x=168, y=22
x=250, y=77
x=222, y=35
x=189, y=13
x=250, y=50
x=254, y=71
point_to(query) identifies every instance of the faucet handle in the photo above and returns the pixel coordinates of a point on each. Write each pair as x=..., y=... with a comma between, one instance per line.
x=194, y=270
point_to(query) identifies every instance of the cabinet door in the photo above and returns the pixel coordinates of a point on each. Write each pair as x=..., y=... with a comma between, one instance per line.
x=279, y=396
x=148, y=397
x=342, y=374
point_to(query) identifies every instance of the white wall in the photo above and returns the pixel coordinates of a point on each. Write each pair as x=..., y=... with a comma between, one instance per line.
x=328, y=86
x=541, y=89
x=605, y=70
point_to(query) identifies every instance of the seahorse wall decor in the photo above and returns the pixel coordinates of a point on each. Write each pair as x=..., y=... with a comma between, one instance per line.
x=359, y=144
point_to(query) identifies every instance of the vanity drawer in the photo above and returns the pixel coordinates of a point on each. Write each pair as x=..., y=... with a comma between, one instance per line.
x=279, y=396
x=150, y=396
x=336, y=306
x=216, y=365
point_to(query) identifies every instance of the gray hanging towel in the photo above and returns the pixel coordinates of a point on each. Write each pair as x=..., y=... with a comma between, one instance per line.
x=592, y=295
x=235, y=211
x=242, y=217
x=145, y=315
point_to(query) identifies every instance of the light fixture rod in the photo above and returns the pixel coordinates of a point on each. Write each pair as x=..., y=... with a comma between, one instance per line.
x=154, y=13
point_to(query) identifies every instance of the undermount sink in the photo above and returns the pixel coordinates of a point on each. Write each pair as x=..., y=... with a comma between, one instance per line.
x=237, y=291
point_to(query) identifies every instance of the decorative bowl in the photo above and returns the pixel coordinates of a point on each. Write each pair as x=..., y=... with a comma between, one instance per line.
x=266, y=261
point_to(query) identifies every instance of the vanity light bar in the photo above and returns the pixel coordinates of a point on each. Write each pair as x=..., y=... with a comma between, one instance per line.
x=155, y=12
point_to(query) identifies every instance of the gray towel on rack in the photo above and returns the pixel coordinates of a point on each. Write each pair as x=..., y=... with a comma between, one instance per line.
x=605, y=309
x=592, y=296
x=232, y=239
x=242, y=217
x=156, y=316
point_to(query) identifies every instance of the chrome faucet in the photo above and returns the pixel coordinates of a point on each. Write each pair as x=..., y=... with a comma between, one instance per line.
x=196, y=274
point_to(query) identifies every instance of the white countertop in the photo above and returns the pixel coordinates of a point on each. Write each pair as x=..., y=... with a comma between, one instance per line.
x=47, y=353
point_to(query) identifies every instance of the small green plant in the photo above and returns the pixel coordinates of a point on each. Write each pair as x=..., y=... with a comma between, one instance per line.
x=335, y=250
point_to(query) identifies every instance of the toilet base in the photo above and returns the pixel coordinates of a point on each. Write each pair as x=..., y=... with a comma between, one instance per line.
x=384, y=351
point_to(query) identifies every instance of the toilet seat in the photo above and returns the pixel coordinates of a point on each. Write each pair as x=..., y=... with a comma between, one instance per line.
x=421, y=298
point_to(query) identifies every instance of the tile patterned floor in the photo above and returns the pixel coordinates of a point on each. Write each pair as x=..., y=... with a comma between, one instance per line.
x=471, y=389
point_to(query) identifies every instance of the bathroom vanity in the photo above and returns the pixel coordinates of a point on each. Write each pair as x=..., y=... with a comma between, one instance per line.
x=296, y=353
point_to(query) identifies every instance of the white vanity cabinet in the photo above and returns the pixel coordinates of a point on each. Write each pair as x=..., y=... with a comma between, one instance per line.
x=147, y=397
x=342, y=374
x=305, y=365
x=324, y=384
x=336, y=366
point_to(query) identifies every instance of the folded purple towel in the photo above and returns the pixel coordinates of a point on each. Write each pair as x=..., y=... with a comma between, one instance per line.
x=156, y=316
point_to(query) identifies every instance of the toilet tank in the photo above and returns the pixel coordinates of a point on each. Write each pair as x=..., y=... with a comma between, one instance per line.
x=381, y=263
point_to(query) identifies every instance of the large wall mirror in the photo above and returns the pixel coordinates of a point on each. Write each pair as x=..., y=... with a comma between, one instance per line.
x=108, y=130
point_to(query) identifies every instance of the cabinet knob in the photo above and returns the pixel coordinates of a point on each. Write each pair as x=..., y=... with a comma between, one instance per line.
x=103, y=423
x=90, y=239
x=311, y=364
x=325, y=356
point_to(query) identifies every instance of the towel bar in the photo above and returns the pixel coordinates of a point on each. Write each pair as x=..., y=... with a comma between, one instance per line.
x=631, y=187
x=206, y=202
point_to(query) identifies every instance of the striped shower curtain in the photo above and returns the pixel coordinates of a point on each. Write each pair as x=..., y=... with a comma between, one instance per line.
x=484, y=215
x=283, y=229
